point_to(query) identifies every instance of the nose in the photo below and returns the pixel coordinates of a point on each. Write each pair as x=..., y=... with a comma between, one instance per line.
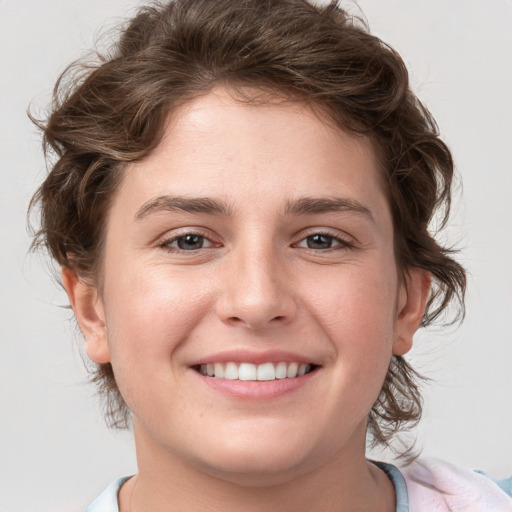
x=256, y=290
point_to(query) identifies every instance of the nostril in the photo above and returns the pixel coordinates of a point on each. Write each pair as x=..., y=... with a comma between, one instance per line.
x=235, y=319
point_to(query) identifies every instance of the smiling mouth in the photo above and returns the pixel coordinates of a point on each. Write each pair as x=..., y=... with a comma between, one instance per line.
x=255, y=372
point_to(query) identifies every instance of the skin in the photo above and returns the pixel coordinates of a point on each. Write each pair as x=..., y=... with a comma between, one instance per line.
x=266, y=276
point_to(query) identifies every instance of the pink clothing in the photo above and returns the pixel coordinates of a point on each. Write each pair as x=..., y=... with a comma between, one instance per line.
x=438, y=486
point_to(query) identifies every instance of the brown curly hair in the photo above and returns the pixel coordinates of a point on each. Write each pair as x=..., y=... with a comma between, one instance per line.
x=107, y=114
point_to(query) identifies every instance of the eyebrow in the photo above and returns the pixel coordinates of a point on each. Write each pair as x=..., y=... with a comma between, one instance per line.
x=208, y=205
x=314, y=205
x=186, y=204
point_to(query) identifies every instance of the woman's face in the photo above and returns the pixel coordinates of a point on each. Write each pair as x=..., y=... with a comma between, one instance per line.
x=255, y=242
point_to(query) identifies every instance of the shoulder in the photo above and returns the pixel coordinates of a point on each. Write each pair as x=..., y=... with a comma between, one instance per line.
x=107, y=500
x=436, y=485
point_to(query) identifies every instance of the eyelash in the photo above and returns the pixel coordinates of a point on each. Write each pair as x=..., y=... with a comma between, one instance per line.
x=341, y=243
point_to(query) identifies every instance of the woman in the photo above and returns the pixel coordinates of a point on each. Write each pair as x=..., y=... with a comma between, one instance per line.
x=240, y=206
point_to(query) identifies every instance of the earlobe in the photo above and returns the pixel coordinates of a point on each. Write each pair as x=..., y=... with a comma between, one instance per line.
x=90, y=314
x=413, y=296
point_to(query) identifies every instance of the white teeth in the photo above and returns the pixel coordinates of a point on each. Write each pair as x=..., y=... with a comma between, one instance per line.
x=218, y=370
x=231, y=372
x=292, y=370
x=247, y=371
x=281, y=371
x=252, y=372
x=266, y=371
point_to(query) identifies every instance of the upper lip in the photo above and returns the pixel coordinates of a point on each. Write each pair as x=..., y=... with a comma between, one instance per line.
x=255, y=357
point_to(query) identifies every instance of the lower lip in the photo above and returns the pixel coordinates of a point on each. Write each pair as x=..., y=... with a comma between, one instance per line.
x=257, y=390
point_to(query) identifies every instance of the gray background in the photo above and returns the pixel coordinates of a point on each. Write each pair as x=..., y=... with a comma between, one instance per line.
x=55, y=453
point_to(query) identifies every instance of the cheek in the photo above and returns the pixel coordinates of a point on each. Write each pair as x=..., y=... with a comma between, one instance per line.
x=150, y=314
x=358, y=300
x=357, y=312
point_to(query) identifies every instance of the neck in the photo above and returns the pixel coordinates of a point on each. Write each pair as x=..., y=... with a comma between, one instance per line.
x=167, y=483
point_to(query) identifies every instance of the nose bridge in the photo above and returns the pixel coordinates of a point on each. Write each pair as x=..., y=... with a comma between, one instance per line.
x=256, y=292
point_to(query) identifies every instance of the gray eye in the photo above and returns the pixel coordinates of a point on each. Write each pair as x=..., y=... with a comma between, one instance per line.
x=190, y=242
x=319, y=241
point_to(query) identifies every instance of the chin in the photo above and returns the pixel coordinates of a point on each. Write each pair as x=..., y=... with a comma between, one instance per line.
x=256, y=471
x=257, y=462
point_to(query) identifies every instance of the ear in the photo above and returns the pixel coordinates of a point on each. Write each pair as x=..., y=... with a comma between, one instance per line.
x=90, y=314
x=412, y=298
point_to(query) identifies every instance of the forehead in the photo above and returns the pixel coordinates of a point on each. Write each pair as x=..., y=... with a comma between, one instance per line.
x=218, y=132
x=279, y=149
